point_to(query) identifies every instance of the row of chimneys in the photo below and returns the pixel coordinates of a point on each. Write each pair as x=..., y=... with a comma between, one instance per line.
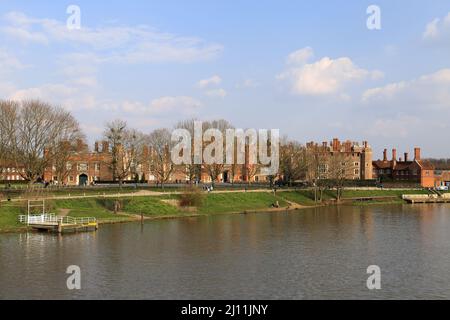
x=394, y=155
x=105, y=146
x=336, y=144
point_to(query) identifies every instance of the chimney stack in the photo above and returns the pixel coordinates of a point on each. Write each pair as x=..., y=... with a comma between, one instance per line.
x=406, y=156
x=96, y=146
x=385, y=155
x=336, y=144
x=105, y=147
x=394, y=154
x=416, y=153
x=324, y=144
x=80, y=145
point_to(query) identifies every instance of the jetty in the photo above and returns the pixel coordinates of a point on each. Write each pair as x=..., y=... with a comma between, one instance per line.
x=58, y=224
x=427, y=198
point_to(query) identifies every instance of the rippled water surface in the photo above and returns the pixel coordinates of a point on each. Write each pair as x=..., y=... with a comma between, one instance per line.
x=311, y=254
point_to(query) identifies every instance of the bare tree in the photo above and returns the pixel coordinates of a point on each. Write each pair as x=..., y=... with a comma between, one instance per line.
x=294, y=161
x=160, y=162
x=62, y=149
x=339, y=171
x=35, y=128
x=214, y=170
x=8, y=124
x=318, y=168
x=193, y=171
x=127, y=147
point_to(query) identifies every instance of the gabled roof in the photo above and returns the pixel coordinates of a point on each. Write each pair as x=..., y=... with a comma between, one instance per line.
x=426, y=165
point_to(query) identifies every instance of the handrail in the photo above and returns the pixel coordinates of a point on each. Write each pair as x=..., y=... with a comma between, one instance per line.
x=53, y=219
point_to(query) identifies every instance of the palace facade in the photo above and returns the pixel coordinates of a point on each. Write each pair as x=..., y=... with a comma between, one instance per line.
x=405, y=169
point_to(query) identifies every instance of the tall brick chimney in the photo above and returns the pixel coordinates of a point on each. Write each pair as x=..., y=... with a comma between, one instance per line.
x=394, y=154
x=336, y=144
x=80, y=145
x=96, y=146
x=406, y=156
x=105, y=147
x=416, y=153
x=385, y=155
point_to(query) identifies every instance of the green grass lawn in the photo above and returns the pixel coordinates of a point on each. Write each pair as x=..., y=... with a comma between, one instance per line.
x=9, y=213
x=305, y=198
x=239, y=201
x=103, y=208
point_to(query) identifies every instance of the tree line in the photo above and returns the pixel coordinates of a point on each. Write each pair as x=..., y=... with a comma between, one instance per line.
x=36, y=135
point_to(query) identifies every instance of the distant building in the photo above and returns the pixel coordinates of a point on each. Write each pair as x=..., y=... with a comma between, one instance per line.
x=9, y=172
x=442, y=177
x=356, y=158
x=405, y=170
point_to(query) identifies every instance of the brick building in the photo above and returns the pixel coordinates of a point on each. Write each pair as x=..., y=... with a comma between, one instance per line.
x=356, y=159
x=404, y=169
x=9, y=172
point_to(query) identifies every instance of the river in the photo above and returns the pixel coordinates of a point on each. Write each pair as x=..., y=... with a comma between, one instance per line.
x=320, y=253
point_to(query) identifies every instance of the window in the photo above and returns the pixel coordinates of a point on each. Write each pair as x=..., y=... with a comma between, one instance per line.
x=70, y=179
x=356, y=171
x=83, y=167
x=68, y=166
x=356, y=164
x=97, y=166
x=323, y=168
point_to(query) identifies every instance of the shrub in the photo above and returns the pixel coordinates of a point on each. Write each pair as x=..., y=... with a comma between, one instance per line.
x=191, y=197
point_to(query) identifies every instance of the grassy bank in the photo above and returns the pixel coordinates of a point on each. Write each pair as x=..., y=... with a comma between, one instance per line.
x=160, y=206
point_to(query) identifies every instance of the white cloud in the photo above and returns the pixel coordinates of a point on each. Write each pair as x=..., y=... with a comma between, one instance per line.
x=399, y=126
x=248, y=83
x=323, y=77
x=438, y=29
x=428, y=91
x=140, y=44
x=183, y=104
x=220, y=93
x=209, y=83
x=163, y=105
x=9, y=62
x=213, y=81
x=301, y=56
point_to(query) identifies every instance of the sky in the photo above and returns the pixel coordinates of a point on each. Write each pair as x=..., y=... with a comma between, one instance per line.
x=312, y=69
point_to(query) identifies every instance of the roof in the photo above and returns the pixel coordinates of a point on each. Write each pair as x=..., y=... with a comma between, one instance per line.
x=380, y=164
x=426, y=165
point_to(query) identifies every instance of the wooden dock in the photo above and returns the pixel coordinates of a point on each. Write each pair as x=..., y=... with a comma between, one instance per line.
x=57, y=224
x=431, y=198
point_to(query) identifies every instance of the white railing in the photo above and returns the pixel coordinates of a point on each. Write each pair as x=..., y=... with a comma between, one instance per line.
x=53, y=219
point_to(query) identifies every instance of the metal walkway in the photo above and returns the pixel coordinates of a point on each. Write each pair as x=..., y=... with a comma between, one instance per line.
x=54, y=223
x=51, y=222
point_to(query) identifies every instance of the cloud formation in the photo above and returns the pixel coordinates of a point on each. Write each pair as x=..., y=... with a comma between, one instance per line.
x=430, y=91
x=323, y=77
x=137, y=44
x=438, y=29
x=212, y=81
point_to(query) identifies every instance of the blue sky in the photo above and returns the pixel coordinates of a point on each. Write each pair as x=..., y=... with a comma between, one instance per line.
x=310, y=68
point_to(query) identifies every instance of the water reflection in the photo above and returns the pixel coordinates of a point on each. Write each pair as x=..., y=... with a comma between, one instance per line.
x=309, y=254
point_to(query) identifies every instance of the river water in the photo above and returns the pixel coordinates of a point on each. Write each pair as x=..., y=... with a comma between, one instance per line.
x=320, y=253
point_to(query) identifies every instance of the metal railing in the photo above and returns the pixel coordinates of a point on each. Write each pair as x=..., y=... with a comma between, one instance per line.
x=54, y=219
